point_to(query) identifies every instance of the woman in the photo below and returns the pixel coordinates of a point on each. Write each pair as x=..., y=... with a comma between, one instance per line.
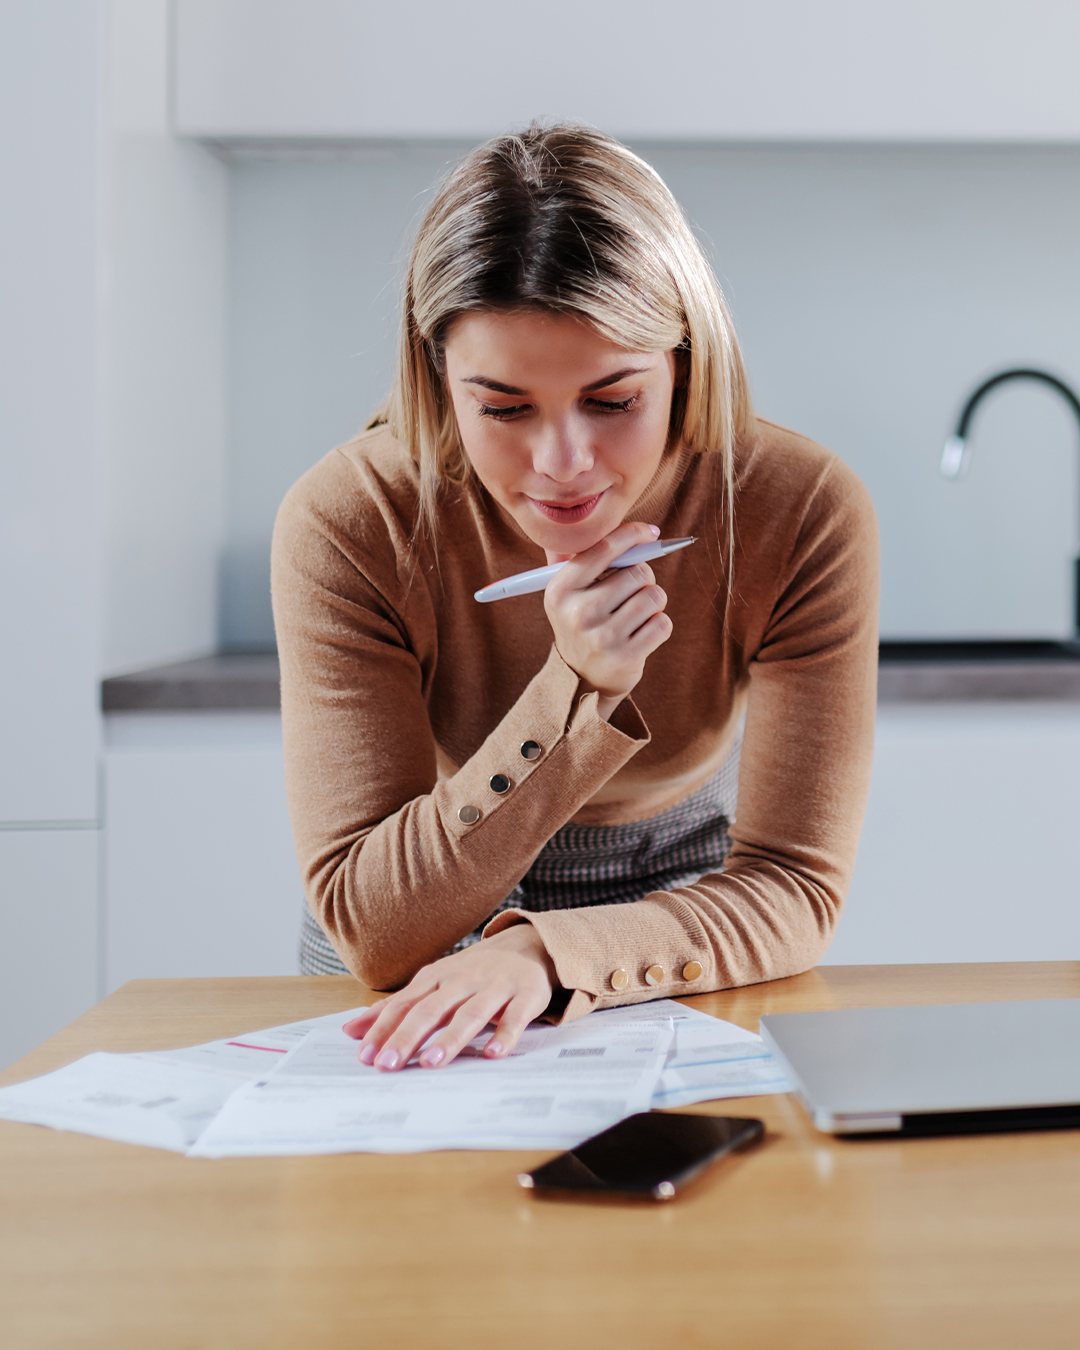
x=569, y=385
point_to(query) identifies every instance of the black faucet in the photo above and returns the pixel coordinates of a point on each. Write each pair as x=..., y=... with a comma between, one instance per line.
x=956, y=455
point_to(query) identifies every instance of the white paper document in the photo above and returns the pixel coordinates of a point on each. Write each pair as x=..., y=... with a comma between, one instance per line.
x=130, y=1098
x=558, y=1087
x=299, y=1088
x=709, y=1059
x=160, y=1098
x=711, y=1062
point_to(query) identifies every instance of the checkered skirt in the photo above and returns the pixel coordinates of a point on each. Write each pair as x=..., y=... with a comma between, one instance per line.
x=584, y=865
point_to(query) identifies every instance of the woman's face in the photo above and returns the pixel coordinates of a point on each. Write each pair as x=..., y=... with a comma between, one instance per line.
x=564, y=428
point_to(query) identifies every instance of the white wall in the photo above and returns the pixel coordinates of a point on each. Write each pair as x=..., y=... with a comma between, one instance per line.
x=873, y=287
x=164, y=306
x=787, y=70
x=314, y=252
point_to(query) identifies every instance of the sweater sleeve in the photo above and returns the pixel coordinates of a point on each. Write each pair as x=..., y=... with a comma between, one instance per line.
x=399, y=863
x=803, y=781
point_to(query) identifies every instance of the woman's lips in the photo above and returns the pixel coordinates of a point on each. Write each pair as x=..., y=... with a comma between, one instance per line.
x=568, y=514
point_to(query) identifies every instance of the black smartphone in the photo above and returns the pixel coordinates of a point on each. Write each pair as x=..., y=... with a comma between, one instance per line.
x=652, y=1154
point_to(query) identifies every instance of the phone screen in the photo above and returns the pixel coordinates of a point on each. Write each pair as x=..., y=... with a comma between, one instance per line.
x=651, y=1153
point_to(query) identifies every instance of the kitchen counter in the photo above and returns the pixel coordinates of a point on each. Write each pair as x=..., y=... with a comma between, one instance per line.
x=910, y=672
x=228, y=682
x=921, y=672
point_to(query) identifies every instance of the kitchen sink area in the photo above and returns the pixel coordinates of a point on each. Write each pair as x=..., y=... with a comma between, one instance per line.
x=967, y=651
x=978, y=669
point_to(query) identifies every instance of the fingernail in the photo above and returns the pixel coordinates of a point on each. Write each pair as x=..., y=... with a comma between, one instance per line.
x=655, y=531
x=387, y=1059
x=368, y=1053
x=435, y=1054
x=493, y=1048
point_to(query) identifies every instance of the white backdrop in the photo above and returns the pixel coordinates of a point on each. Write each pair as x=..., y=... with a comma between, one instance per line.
x=873, y=287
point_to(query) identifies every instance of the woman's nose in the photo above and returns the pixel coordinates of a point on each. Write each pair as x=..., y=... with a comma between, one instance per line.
x=560, y=454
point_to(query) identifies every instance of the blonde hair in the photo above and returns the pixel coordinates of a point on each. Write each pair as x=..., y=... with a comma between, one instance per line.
x=564, y=219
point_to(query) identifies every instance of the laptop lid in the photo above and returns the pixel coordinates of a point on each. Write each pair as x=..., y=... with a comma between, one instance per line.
x=958, y=1067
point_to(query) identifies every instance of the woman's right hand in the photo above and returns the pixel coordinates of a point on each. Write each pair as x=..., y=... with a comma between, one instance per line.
x=605, y=630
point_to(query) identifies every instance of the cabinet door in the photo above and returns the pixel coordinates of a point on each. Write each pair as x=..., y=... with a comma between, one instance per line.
x=48, y=933
x=50, y=279
x=969, y=847
x=200, y=874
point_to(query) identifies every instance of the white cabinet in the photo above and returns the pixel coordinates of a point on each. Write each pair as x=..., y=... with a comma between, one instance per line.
x=49, y=413
x=969, y=852
x=906, y=70
x=200, y=878
x=49, y=923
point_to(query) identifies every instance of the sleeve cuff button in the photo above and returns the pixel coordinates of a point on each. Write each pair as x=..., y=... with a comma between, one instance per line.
x=469, y=815
x=498, y=782
x=654, y=975
x=619, y=980
x=691, y=971
x=530, y=750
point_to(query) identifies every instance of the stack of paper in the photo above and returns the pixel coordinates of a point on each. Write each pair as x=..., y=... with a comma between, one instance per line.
x=163, y=1098
x=300, y=1089
x=558, y=1087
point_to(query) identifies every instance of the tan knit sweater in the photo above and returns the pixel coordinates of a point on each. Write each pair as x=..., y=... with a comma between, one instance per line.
x=402, y=697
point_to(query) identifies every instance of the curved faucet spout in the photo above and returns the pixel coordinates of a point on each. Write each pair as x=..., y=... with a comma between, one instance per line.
x=956, y=456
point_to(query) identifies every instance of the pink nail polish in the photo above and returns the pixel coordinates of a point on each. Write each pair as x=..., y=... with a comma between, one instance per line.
x=367, y=1054
x=655, y=529
x=387, y=1059
x=433, y=1055
x=492, y=1049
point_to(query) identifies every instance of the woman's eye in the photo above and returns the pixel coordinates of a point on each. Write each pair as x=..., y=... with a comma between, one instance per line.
x=604, y=406
x=501, y=414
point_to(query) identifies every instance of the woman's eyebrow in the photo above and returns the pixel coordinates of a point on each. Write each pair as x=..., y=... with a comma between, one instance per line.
x=614, y=379
x=492, y=384
x=501, y=388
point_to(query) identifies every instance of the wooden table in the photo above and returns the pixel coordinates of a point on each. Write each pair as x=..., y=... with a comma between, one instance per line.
x=805, y=1242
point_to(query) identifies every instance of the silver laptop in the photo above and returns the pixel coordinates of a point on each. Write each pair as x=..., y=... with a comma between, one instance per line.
x=957, y=1068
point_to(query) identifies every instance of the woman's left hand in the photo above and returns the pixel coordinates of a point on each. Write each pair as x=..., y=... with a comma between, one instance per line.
x=507, y=979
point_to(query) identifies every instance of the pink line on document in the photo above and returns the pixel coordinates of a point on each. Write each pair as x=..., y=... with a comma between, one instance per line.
x=245, y=1046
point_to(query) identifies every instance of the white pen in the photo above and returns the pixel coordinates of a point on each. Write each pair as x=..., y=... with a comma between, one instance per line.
x=524, y=583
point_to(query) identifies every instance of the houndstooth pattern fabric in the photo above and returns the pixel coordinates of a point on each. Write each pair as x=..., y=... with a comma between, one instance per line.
x=584, y=865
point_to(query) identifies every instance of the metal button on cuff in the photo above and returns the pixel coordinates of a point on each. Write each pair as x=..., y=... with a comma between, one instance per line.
x=530, y=750
x=691, y=971
x=654, y=975
x=468, y=815
x=498, y=782
x=619, y=980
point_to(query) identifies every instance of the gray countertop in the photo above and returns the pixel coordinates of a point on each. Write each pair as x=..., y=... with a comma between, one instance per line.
x=959, y=682
x=909, y=673
x=232, y=682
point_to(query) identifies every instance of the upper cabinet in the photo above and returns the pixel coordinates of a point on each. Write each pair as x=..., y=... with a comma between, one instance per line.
x=785, y=70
